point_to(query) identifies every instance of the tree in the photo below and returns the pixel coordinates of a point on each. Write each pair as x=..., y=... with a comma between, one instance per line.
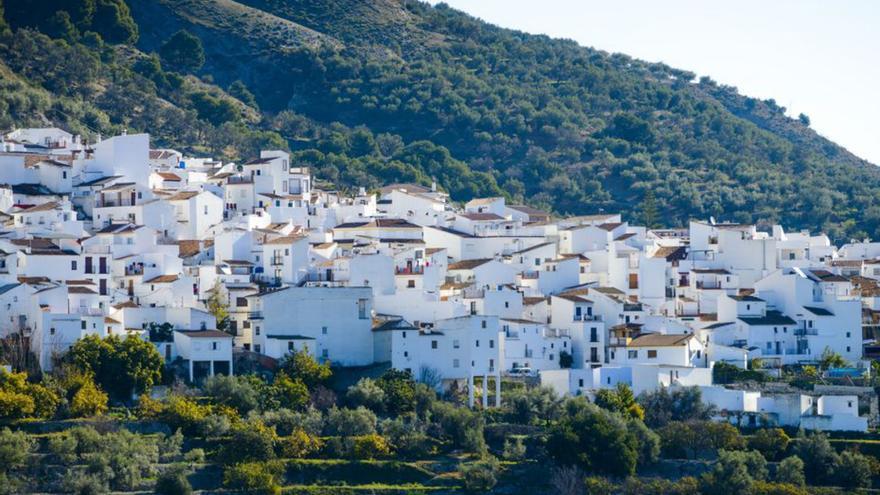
x=818, y=456
x=649, y=210
x=479, y=476
x=299, y=364
x=257, y=478
x=852, y=470
x=399, y=390
x=173, y=482
x=366, y=393
x=791, y=471
x=347, y=422
x=121, y=366
x=250, y=441
x=89, y=400
x=240, y=91
x=218, y=306
x=241, y=393
x=734, y=473
x=830, y=359
x=290, y=393
x=183, y=51
x=683, y=404
x=300, y=444
x=804, y=119
x=15, y=448
x=593, y=439
x=21, y=399
x=620, y=400
x=531, y=405
x=771, y=442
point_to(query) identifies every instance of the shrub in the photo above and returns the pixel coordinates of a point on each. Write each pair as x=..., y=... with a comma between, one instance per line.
x=173, y=482
x=250, y=441
x=462, y=426
x=256, y=478
x=182, y=412
x=290, y=393
x=594, y=439
x=765, y=488
x=597, y=485
x=790, y=471
x=238, y=392
x=366, y=393
x=698, y=438
x=620, y=400
x=852, y=470
x=771, y=442
x=89, y=400
x=683, y=404
x=347, y=422
x=818, y=455
x=479, y=476
x=303, y=366
x=300, y=444
x=194, y=456
x=14, y=449
x=286, y=421
x=214, y=426
x=514, y=449
x=531, y=405
x=64, y=446
x=734, y=473
x=370, y=447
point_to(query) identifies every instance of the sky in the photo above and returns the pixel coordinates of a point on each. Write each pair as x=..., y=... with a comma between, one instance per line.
x=817, y=57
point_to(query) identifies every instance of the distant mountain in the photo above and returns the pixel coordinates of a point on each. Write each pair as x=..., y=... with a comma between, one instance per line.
x=370, y=92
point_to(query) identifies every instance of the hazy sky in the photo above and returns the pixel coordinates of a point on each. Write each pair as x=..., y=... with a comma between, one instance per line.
x=819, y=57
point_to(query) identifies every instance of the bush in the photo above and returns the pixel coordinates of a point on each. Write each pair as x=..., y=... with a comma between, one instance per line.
x=479, y=476
x=347, y=422
x=818, y=455
x=594, y=439
x=286, y=421
x=250, y=442
x=661, y=486
x=88, y=401
x=63, y=446
x=366, y=393
x=173, y=482
x=649, y=442
x=514, y=449
x=770, y=442
x=300, y=444
x=399, y=390
x=790, y=471
x=620, y=400
x=852, y=470
x=682, y=404
x=531, y=405
x=182, y=412
x=462, y=426
x=734, y=473
x=597, y=485
x=256, y=478
x=370, y=447
x=301, y=365
x=238, y=392
x=194, y=456
x=14, y=449
x=765, y=488
x=695, y=439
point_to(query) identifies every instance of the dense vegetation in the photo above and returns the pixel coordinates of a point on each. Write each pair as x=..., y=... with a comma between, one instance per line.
x=396, y=90
x=298, y=430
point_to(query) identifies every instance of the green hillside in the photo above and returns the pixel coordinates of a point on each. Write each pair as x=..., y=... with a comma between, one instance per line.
x=370, y=92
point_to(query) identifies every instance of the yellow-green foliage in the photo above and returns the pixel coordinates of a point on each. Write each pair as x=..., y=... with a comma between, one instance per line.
x=258, y=478
x=20, y=399
x=300, y=444
x=89, y=400
x=370, y=446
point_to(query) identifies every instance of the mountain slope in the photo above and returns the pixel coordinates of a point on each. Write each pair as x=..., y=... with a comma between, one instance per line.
x=387, y=90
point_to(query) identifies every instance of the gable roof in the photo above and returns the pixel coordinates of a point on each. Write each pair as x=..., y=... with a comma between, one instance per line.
x=468, y=264
x=660, y=340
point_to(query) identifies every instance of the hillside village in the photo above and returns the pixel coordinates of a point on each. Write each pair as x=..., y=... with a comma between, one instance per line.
x=117, y=238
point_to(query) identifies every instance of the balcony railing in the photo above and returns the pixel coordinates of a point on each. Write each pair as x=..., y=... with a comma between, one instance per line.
x=255, y=315
x=277, y=260
x=134, y=270
x=114, y=202
x=409, y=270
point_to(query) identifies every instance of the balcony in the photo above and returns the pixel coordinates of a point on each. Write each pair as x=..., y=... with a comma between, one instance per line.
x=107, y=203
x=131, y=271
x=409, y=270
x=255, y=315
x=276, y=260
x=800, y=332
x=511, y=334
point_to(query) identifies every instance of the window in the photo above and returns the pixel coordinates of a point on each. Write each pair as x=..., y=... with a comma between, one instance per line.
x=455, y=363
x=325, y=353
x=404, y=334
x=411, y=284
x=405, y=353
x=491, y=344
x=632, y=354
x=455, y=344
x=213, y=346
x=83, y=324
x=847, y=334
x=323, y=330
x=63, y=174
x=73, y=265
x=52, y=331
x=257, y=348
x=241, y=302
x=362, y=309
x=433, y=344
x=257, y=330
x=506, y=304
x=594, y=335
x=652, y=354
x=748, y=307
x=290, y=346
x=206, y=209
x=483, y=323
x=580, y=382
x=477, y=342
